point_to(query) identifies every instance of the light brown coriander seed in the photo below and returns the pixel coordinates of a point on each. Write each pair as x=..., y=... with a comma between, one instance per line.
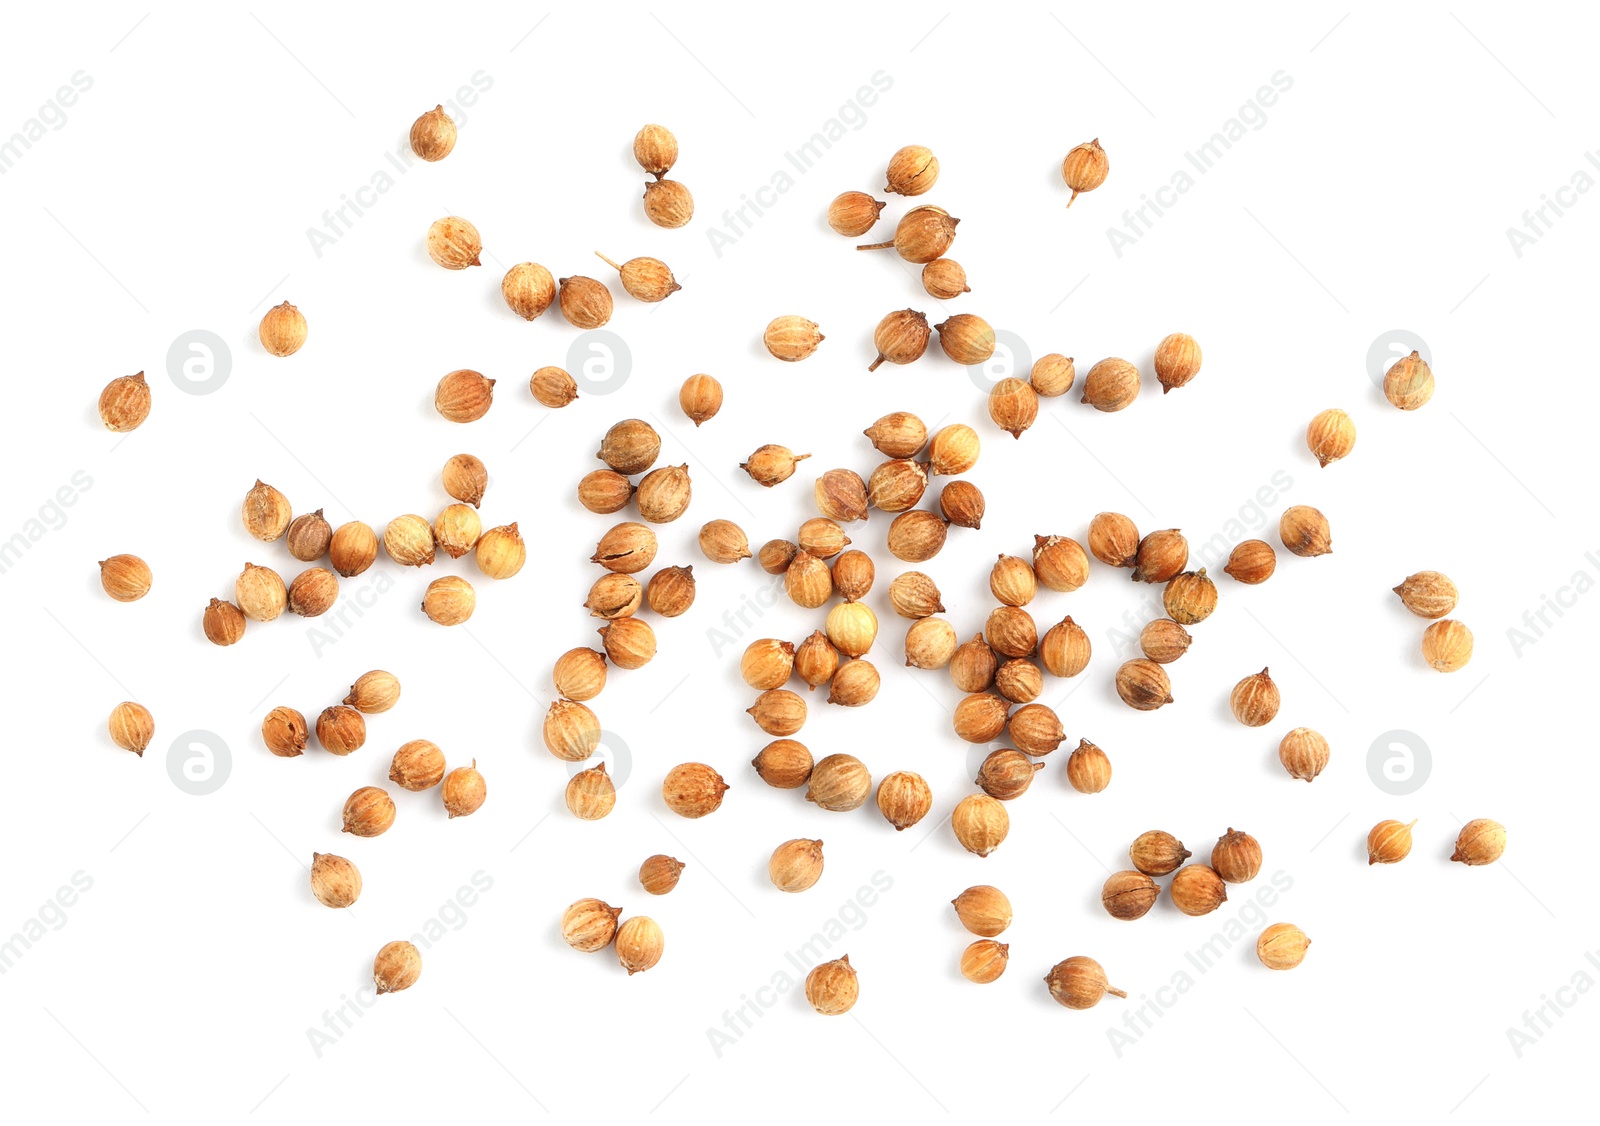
x=1018, y=680
x=900, y=338
x=969, y=339
x=767, y=663
x=1389, y=842
x=308, y=536
x=1088, y=768
x=353, y=548
x=667, y=203
x=930, y=643
x=1111, y=385
x=1012, y=581
x=590, y=794
x=796, y=865
x=334, y=880
x=1114, y=540
x=266, y=512
x=464, y=395
x=1428, y=594
x=1084, y=168
x=723, y=541
x=1143, y=685
x=839, y=783
x=670, y=591
x=897, y=485
x=454, y=243
x=341, y=730
x=816, y=660
x=984, y=961
x=397, y=966
x=1157, y=853
x=1164, y=641
x=1162, y=556
x=1052, y=375
x=981, y=823
x=822, y=537
x=374, y=692
x=1304, y=753
x=700, y=398
x=571, y=731
x=693, y=790
x=630, y=446
x=1330, y=436
x=1408, y=384
x=417, y=766
x=284, y=732
x=659, y=873
x=1236, y=857
x=944, y=279
x=808, y=581
x=457, y=529
x=645, y=279
x=126, y=578
x=501, y=551
x=853, y=574
x=1282, y=946
x=131, y=727
x=664, y=493
x=1006, y=774
x=584, y=302
x=604, y=491
x=1065, y=648
x=528, y=289
x=408, y=540
x=791, y=338
x=626, y=549
x=368, y=812
x=449, y=600
x=589, y=925
x=1254, y=700
x=1252, y=562
x=772, y=464
x=1190, y=597
x=904, y=799
x=962, y=504
x=841, y=495
x=1013, y=405
x=1304, y=531
x=640, y=943
x=222, y=622
x=1079, y=983
x=913, y=170
x=853, y=214
x=463, y=790
x=433, y=135
x=784, y=764
x=1177, y=360
x=915, y=595
x=983, y=910
x=656, y=149
x=923, y=234
x=973, y=665
x=1011, y=631
x=629, y=642
x=898, y=434
x=833, y=987
x=125, y=403
x=855, y=685
x=1447, y=645
x=282, y=330
x=981, y=717
x=917, y=536
x=1197, y=890
x=1060, y=563
x=580, y=674
x=1481, y=841
x=776, y=555
x=553, y=387
x=1036, y=729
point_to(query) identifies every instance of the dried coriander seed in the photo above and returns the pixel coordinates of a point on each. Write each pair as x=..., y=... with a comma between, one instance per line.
x=664, y=493
x=585, y=302
x=1161, y=557
x=334, y=880
x=841, y=495
x=1013, y=405
x=984, y=961
x=913, y=170
x=580, y=674
x=808, y=581
x=125, y=403
x=501, y=551
x=1330, y=436
x=969, y=339
x=463, y=791
x=1114, y=540
x=604, y=491
x=284, y=732
x=1190, y=597
x=791, y=338
x=853, y=214
x=816, y=660
x=1389, y=842
x=553, y=387
x=528, y=289
x=571, y=731
x=308, y=536
x=457, y=529
x=659, y=873
x=900, y=338
x=1408, y=384
x=930, y=643
x=656, y=149
x=260, y=594
x=639, y=941
x=449, y=600
x=131, y=727
x=464, y=395
x=630, y=446
x=917, y=536
x=1052, y=375
x=1177, y=360
x=282, y=330
x=853, y=574
x=839, y=783
x=1036, y=729
x=417, y=766
x=1111, y=385
x=923, y=234
x=670, y=591
x=433, y=135
x=981, y=717
x=397, y=966
x=353, y=548
x=374, y=692
x=1252, y=562
x=723, y=541
x=1019, y=681
x=772, y=464
x=1079, y=982
x=1304, y=753
x=222, y=622
x=667, y=203
x=832, y=988
x=1164, y=641
x=796, y=865
x=897, y=485
x=855, y=685
x=1428, y=594
x=1282, y=946
x=626, y=549
x=590, y=794
x=341, y=730
x=1011, y=632
x=944, y=279
x=645, y=279
x=1447, y=645
x=973, y=667
x=767, y=663
x=981, y=823
x=126, y=578
x=899, y=434
x=589, y=925
x=822, y=537
x=1064, y=650
x=454, y=243
x=409, y=541
x=1254, y=700
x=962, y=504
x=915, y=595
x=778, y=712
x=368, y=812
x=1129, y=895
x=1197, y=890
x=1060, y=563
x=266, y=512
x=983, y=910
x=1481, y=841
x=700, y=398
x=904, y=799
x=1236, y=857
x=1157, y=853
x=775, y=556
x=1143, y=685
x=1088, y=768
x=1304, y=531
x=1084, y=168
x=1006, y=774
x=784, y=764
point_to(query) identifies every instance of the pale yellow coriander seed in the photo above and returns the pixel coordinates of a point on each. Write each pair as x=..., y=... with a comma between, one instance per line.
x=456, y=529
x=839, y=783
x=449, y=600
x=589, y=925
x=832, y=988
x=464, y=395
x=334, y=880
x=433, y=135
x=397, y=966
x=463, y=790
x=693, y=790
x=852, y=627
x=126, y=578
x=984, y=961
x=131, y=727
x=980, y=823
x=417, y=766
x=791, y=338
x=501, y=551
x=454, y=243
x=639, y=943
x=125, y=403
x=282, y=330
x=374, y=692
x=1447, y=645
x=983, y=910
x=904, y=799
x=796, y=865
x=1282, y=946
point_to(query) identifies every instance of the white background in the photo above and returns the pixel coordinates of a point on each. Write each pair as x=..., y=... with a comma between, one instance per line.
x=1375, y=197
